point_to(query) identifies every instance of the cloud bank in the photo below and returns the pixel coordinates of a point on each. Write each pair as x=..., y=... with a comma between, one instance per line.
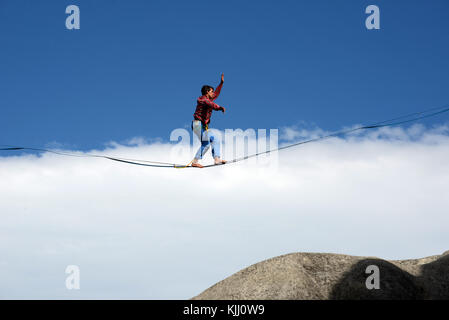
x=148, y=233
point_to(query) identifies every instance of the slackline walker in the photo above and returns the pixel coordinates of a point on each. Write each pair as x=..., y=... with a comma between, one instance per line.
x=201, y=120
x=215, y=147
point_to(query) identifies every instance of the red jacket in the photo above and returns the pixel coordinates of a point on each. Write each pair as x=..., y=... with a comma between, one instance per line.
x=204, y=106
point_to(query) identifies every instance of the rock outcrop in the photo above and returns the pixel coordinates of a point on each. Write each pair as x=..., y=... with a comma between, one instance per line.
x=309, y=276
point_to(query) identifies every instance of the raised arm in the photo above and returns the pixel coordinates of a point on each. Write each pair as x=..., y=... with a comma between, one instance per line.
x=218, y=88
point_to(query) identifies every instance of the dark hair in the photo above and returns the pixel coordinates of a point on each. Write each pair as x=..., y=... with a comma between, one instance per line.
x=205, y=89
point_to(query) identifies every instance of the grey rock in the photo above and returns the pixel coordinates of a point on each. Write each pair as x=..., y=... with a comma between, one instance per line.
x=318, y=276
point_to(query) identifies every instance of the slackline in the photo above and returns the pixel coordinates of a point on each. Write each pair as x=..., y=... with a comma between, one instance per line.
x=147, y=163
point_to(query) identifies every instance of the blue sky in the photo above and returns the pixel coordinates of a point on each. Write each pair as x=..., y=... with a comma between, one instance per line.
x=135, y=68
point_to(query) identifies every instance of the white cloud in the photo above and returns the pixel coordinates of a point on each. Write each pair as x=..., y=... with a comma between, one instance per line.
x=149, y=233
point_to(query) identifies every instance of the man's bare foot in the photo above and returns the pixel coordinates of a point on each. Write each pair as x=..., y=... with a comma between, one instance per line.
x=219, y=161
x=197, y=165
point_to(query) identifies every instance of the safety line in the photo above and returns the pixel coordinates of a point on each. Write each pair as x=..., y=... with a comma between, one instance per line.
x=343, y=132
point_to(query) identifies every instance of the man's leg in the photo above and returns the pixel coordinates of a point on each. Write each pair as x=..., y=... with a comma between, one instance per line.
x=215, y=143
x=200, y=133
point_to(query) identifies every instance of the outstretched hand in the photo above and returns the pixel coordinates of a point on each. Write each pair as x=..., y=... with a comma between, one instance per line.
x=223, y=109
x=222, y=78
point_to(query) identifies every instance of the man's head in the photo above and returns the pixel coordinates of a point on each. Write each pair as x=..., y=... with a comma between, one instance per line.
x=207, y=91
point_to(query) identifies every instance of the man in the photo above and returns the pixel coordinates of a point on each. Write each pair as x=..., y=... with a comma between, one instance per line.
x=200, y=124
